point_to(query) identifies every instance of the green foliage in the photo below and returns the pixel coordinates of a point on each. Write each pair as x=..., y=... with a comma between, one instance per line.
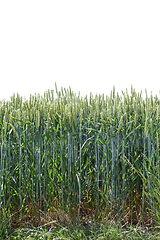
x=85, y=155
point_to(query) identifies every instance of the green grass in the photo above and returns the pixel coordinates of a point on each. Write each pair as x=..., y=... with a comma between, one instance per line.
x=66, y=158
x=110, y=231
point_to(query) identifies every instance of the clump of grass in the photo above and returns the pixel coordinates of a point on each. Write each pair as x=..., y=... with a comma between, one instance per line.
x=80, y=156
x=112, y=230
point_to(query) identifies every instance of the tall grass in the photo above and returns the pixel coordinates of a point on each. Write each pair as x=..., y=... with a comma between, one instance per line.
x=82, y=155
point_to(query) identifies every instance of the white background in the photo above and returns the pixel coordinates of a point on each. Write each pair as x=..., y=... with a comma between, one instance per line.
x=88, y=45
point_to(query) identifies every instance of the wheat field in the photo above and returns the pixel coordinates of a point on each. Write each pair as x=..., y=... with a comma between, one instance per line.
x=81, y=156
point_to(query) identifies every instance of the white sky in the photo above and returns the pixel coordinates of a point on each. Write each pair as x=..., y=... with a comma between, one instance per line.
x=88, y=45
